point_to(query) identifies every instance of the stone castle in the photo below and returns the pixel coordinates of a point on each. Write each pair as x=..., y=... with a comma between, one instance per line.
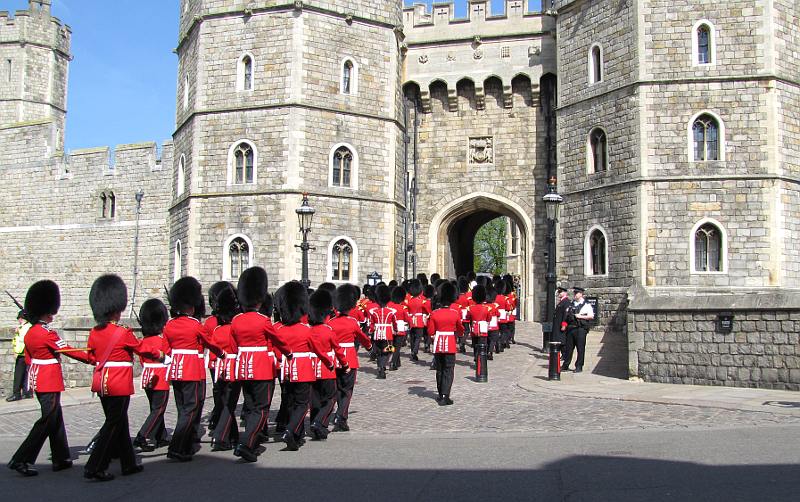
x=672, y=128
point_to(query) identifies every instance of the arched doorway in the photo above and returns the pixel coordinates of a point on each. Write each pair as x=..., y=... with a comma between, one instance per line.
x=452, y=235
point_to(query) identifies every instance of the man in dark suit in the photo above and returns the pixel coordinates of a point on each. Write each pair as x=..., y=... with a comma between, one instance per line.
x=558, y=336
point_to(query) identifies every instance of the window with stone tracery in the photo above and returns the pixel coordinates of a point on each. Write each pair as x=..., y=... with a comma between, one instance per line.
x=341, y=260
x=239, y=256
x=243, y=159
x=597, y=251
x=342, y=167
x=706, y=138
x=708, y=248
x=598, y=151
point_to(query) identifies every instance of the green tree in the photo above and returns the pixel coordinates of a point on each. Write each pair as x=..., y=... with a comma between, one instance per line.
x=490, y=247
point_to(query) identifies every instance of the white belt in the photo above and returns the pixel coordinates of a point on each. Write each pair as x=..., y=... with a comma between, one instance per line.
x=443, y=333
x=303, y=354
x=186, y=352
x=383, y=325
x=253, y=349
x=152, y=365
x=118, y=364
x=347, y=345
x=44, y=362
x=231, y=356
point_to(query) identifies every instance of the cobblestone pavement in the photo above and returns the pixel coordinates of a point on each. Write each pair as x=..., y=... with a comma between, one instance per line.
x=404, y=404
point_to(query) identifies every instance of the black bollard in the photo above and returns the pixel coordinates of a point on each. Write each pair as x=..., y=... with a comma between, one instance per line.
x=554, y=369
x=481, y=366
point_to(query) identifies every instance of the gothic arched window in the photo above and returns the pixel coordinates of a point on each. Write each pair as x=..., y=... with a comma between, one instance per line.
x=595, y=64
x=342, y=167
x=243, y=159
x=341, y=260
x=703, y=44
x=706, y=138
x=597, y=253
x=239, y=256
x=598, y=151
x=708, y=248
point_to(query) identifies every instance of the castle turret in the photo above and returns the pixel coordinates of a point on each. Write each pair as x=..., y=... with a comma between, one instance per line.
x=34, y=61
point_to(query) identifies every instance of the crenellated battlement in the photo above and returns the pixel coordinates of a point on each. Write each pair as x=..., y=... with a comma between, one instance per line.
x=119, y=160
x=36, y=26
x=517, y=15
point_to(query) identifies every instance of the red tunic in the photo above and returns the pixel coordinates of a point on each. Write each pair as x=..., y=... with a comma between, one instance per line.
x=116, y=375
x=347, y=331
x=154, y=372
x=304, y=349
x=210, y=325
x=419, y=308
x=445, y=326
x=327, y=338
x=464, y=301
x=44, y=374
x=187, y=339
x=358, y=315
x=503, y=309
x=401, y=314
x=383, y=323
x=512, y=306
x=225, y=368
x=480, y=316
x=255, y=337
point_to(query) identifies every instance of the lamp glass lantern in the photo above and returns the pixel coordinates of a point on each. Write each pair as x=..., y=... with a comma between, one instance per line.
x=305, y=214
x=552, y=202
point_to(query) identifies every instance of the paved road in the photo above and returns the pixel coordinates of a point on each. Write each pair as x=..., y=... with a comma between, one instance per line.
x=498, y=440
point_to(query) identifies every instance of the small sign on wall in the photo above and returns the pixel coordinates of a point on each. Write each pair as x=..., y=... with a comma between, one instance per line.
x=595, y=303
x=725, y=322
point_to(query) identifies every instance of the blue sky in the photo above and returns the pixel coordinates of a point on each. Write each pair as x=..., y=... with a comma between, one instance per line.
x=122, y=80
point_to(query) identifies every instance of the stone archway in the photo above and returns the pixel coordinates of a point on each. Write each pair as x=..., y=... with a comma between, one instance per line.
x=452, y=235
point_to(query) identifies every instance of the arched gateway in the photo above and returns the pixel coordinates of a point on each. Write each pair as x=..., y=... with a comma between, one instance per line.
x=452, y=235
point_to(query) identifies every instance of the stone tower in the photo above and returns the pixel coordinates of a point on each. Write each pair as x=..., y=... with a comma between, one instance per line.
x=277, y=99
x=34, y=58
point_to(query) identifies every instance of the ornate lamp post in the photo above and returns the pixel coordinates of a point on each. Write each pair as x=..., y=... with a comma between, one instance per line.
x=552, y=202
x=305, y=214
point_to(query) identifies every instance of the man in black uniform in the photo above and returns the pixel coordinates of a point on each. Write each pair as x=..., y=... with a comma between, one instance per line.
x=558, y=334
x=577, y=328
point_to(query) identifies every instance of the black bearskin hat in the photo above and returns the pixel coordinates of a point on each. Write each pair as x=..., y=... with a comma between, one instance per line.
x=463, y=284
x=320, y=306
x=291, y=300
x=227, y=304
x=346, y=298
x=213, y=292
x=429, y=291
x=393, y=283
x=187, y=294
x=435, y=277
x=42, y=298
x=107, y=297
x=252, y=288
x=482, y=280
x=491, y=293
x=383, y=295
x=328, y=286
x=479, y=294
x=447, y=294
x=267, y=307
x=153, y=316
x=414, y=287
x=471, y=275
x=398, y=294
x=500, y=286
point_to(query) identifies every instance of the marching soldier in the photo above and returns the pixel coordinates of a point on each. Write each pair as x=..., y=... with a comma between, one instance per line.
x=419, y=308
x=347, y=332
x=187, y=339
x=401, y=314
x=383, y=323
x=43, y=348
x=226, y=433
x=211, y=324
x=299, y=354
x=494, y=324
x=153, y=316
x=445, y=327
x=577, y=328
x=479, y=315
x=111, y=348
x=464, y=301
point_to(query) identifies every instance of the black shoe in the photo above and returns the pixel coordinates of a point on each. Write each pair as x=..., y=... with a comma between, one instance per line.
x=23, y=468
x=245, y=453
x=217, y=446
x=393, y=368
x=565, y=368
x=13, y=397
x=98, y=476
x=341, y=426
x=490, y=357
x=381, y=374
x=414, y=357
x=144, y=445
x=448, y=401
x=60, y=466
x=133, y=470
x=578, y=369
x=291, y=443
x=180, y=457
x=318, y=433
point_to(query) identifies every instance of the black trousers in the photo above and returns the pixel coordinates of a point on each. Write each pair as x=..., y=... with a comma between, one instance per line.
x=323, y=397
x=20, y=377
x=49, y=425
x=576, y=339
x=345, y=382
x=114, y=438
x=299, y=394
x=219, y=402
x=445, y=369
x=226, y=431
x=380, y=347
x=416, y=337
x=189, y=399
x=153, y=427
x=257, y=399
x=494, y=341
x=282, y=418
x=505, y=334
x=399, y=341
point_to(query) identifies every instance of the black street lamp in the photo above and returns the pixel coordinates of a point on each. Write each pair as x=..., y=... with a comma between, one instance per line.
x=139, y=197
x=552, y=203
x=305, y=214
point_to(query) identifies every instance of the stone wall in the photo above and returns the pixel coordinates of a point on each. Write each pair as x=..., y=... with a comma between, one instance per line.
x=675, y=339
